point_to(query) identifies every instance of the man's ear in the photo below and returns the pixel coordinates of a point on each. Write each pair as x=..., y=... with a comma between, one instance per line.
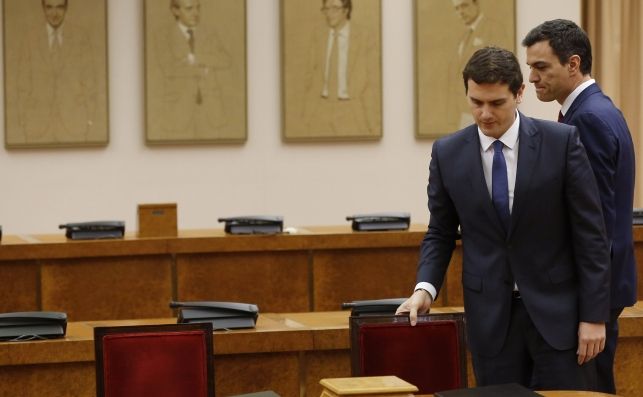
x=573, y=66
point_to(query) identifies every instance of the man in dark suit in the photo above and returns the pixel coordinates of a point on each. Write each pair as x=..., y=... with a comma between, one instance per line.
x=535, y=273
x=560, y=56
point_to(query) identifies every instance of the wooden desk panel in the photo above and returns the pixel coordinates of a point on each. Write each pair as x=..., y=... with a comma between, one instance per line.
x=248, y=373
x=317, y=268
x=359, y=274
x=20, y=286
x=275, y=281
x=286, y=352
x=76, y=379
x=114, y=288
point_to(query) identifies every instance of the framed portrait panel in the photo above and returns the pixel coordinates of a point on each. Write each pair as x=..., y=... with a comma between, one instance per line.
x=195, y=71
x=55, y=73
x=447, y=33
x=331, y=69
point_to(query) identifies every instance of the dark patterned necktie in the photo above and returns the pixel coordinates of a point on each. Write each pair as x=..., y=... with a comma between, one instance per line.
x=500, y=185
x=560, y=117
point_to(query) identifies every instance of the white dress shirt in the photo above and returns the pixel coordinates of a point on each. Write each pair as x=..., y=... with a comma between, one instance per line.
x=55, y=36
x=343, y=40
x=191, y=58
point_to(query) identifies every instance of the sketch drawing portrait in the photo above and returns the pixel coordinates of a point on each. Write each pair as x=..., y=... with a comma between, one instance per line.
x=331, y=69
x=448, y=32
x=195, y=64
x=55, y=73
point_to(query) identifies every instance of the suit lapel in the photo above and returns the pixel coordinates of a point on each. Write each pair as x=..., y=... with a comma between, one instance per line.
x=477, y=181
x=528, y=148
x=582, y=97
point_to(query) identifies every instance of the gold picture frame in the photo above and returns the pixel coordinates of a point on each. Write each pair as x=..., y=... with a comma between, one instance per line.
x=55, y=73
x=195, y=72
x=444, y=43
x=322, y=102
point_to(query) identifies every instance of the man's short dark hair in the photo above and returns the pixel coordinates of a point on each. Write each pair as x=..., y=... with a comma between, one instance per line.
x=347, y=4
x=491, y=65
x=566, y=39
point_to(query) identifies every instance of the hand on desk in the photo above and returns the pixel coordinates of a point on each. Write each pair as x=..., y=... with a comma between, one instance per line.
x=418, y=303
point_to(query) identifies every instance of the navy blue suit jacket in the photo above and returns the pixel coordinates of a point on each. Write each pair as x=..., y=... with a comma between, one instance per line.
x=609, y=146
x=555, y=250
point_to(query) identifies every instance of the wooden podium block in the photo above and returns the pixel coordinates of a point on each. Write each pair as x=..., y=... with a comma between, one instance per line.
x=367, y=386
x=157, y=220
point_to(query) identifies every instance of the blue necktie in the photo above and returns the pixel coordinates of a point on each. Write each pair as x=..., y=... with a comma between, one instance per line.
x=500, y=185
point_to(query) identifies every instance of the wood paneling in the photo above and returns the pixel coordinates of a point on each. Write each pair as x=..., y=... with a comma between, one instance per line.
x=287, y=352
x=275, y=281
x=20, y=291
x=108, y=288
x=359, y=274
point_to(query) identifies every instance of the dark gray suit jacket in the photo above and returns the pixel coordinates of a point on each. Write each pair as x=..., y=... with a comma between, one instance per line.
x=556, y=249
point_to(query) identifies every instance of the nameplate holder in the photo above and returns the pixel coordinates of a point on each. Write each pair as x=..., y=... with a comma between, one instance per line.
x=157, y=220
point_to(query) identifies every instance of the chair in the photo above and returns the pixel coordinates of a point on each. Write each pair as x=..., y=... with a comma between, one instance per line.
x=430, y=355
x=169, y=360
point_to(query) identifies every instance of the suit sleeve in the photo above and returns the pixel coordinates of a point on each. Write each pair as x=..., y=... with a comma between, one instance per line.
x=439, y=241
x=590, y=248
x=602, y=150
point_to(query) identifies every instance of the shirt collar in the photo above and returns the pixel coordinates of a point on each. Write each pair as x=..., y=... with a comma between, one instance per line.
x=567, y=103
x=184, y=29
x=51, y=31
x=509, y=138
x=476, y=22
x=345, y=31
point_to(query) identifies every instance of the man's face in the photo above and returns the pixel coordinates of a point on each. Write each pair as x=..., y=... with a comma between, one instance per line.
x=493, y=106
x=468, y=10
x=187, y=12
x=54, y=11
x=336, y=14
x=550, y=78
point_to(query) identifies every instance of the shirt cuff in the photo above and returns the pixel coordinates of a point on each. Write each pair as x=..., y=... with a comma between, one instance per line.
x=428, y=287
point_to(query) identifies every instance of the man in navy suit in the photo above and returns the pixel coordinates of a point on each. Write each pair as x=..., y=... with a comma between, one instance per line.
x=559, y=54
x=521, y=194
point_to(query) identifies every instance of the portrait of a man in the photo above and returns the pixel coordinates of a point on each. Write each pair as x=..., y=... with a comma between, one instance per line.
x=332, y=70
x=55, y=56
x=448, y=33
x=195, y=86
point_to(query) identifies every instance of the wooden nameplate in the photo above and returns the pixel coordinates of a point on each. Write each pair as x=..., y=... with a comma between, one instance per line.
x=367, y=386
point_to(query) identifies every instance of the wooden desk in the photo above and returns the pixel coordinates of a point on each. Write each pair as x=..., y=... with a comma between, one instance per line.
x=558, y=393
x=315, y=269
x=288, y=353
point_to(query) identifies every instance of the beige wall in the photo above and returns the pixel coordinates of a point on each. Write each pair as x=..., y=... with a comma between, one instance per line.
x=310, y=184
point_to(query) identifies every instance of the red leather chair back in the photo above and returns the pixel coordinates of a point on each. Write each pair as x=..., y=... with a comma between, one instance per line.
x=154, y=360
x=430, y=355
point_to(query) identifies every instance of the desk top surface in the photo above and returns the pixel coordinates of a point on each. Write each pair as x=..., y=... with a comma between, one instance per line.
x=37, y=246
x=274, y=332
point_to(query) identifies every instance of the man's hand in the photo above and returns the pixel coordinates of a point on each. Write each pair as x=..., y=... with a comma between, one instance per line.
x=419, y=302
x=591, y=341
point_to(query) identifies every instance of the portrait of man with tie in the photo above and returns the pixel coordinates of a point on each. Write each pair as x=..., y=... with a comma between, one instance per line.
x=335, y=90
x=58, y=96
x=448, y=33
x=195, y=83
